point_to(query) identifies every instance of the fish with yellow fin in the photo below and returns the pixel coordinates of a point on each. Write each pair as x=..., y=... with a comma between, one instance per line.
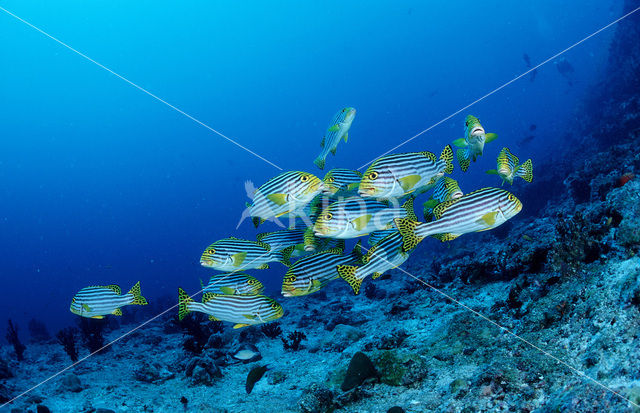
x=472, y=145
x=100, y=300
x=509, y=167
x=233, y=254
x=235, y=283
x=446, y=189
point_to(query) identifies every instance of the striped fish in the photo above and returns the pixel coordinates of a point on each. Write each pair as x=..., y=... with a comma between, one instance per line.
x=338, y=129
x=279, y=240
x=233, y=254
x=472, y=145
x=479, y=210
x=99, y=300
x=377, y=236
x=341, y=182
x=313, y=272
x=394, y=176
x=446, y=189
x=509, y=167
x=282, y=195
x=355, y=216
x=234, y=283
x=243, y=310
x=385, y=255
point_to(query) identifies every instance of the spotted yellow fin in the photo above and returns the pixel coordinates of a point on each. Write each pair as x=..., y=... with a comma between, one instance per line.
x=278, y=199
x=525, y=171
x=348, y=273
x=136, y=292
x=439, y=209
x=464, y=159
x=407, y=229
x=376, y=275
x=408, y=182
x=114, y=288
x=447, y=157
x=263, y=267
x=206, y=297
x=183, y=301
x=213, y=318
x=445, y=237
x=408, y=206
x=117, y=311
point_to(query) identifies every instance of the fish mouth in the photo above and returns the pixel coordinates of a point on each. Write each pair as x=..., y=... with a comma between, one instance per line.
x=207, y=263
x=456, y=195
x=503, y=171
x=366, y=191
x=477, y=130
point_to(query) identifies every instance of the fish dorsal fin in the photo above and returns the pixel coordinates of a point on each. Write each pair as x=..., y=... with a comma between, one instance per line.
x=439, y=209
x=429, y=155
x=408, y=182
x=260, y=236
x=206, y=297
x=408, y=206
x=338, y=249
x=278, y=199
x=233, y=238
x=447, y=156
x=115, y=288
x=513, y=158
x=264, y=245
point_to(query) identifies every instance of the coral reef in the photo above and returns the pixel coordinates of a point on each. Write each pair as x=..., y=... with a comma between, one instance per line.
x=293, y=340
x=14, y=340
x=197, y=333
x=271, y=330
x=92, y=333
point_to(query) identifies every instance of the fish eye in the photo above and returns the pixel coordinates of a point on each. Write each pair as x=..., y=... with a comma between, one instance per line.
x=328, y=216
x=304, y=178
x=211, y=251
x=331, y=179
x=274, y=306
x=511, y=197
x=373, y=175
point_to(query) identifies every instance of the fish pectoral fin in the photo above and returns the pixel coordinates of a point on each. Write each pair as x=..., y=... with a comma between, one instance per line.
x=361, y=222
x=239, y=325
x=334, y=128
x=490, y=137
x=228, y=290
x=86, y=307
x=408, y=182
x=492, y=172
x=315, y=284
x=489, y=218
x=345, y=137
x=263, y=267
x=278, y=199
x=460, y=143
x=238, y=258
x=353, y=186
x=117, y=311
x=250, y=316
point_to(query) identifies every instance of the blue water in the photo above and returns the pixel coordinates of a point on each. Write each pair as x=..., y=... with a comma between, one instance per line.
x=102, y=184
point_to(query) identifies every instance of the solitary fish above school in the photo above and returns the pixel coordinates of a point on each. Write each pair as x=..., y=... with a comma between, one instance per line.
x=341, y=182
x=233, y=254
x=338, y=129
x=479, y=210
x=355, y=216
x=233, y=283
x=244, y=310
x=385, y=255
x=394, y=176
x=284, y=194
x=311, y=273
x=445, y=190
x=473, y=142
x=509, y=167
x=99, y=300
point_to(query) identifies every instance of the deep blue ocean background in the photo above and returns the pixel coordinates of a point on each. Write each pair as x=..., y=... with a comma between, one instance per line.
x=102, y=184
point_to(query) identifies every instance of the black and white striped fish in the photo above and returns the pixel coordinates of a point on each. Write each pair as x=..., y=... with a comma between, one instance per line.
x=283, y=194
x=479, y=210
x=338, y=129
x=311, y=273
x=99, y=300
x=377, y=236
x=394, y=176
x=446, y=189
x=279, y=240
x=355, y=216
x=243, y=310
x=385, y=255
x=341, y=182
x=233, y=254
x=509, y=167
x=235, y=283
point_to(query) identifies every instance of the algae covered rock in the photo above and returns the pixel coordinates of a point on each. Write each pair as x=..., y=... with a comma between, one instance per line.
x=360, y=369
x=341, y=337
x=400, y=368
x=70, y=383
x=202, y=370
x=317, y=398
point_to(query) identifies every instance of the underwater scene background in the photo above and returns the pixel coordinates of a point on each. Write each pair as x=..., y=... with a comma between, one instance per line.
x=102, y=184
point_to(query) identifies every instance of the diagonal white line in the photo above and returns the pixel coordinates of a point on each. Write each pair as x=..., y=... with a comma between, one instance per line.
x=506, y=330
x=114, y=341
x=502, y=86
x=199, y=122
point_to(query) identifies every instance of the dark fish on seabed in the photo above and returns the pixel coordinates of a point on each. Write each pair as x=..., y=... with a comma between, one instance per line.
x=254, y=375
x=565, y=68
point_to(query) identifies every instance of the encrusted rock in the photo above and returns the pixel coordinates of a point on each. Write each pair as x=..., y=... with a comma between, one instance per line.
x=317, y=398
x=70, y=383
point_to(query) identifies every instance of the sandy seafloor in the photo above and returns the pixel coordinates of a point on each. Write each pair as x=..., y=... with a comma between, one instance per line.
x=565, y=277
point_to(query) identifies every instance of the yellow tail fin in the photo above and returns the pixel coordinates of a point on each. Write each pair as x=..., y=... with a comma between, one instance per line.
x=525, y=171
x=136, y=292
x=183, y=300
x=407, y=229
x=348, y=273
x=447, y=156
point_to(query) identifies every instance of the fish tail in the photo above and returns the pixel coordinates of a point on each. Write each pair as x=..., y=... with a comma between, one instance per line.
x=407, y=229
x=408, y=206
x=285, y=255
x=447, y=156
x=525, y=171
x=136, y=292
x=464, y=158
x=319, y=162
x=183, y=301
x=348, y=273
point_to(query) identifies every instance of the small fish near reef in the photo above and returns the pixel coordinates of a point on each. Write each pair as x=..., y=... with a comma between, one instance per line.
x=235, y=283
x=472, y=145
x=476, y=211
x=397, y=175
x=338, y=129
x=509, y=167
x=253, y=377
x=246, y=353
x=283, y=194
x=313, y=272
x=233, y=254
x=624, y=179
x=100, y=300
x=341, y=182
x=243, y=310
